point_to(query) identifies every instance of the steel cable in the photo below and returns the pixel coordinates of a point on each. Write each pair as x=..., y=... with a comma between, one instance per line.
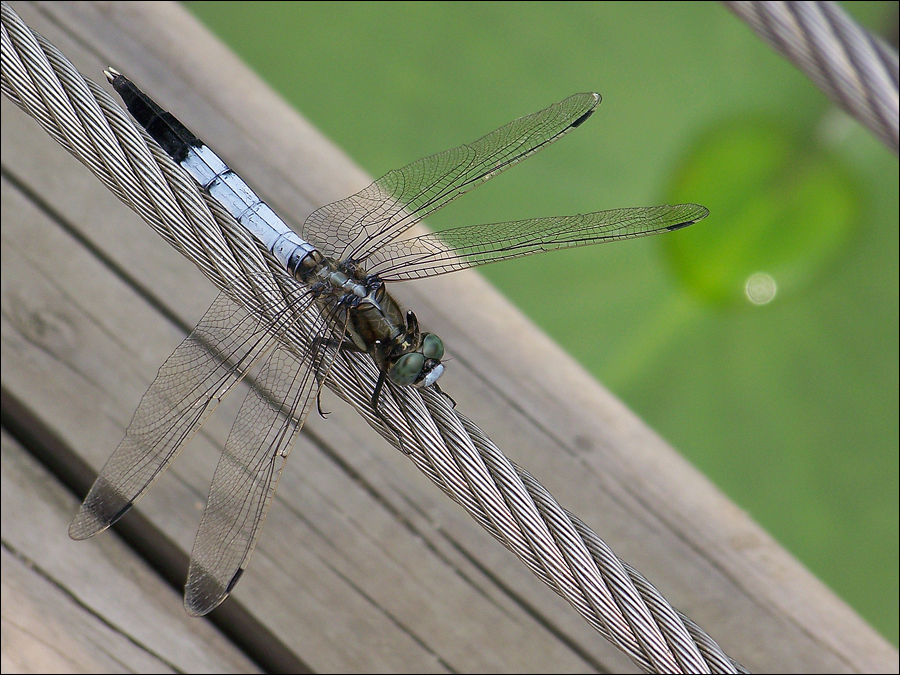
x=856, y=69
x=447, y=447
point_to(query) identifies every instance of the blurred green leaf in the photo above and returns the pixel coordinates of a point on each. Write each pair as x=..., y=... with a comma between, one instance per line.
x=781, y=206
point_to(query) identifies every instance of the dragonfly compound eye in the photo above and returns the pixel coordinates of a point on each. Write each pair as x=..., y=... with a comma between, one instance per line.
x=432, y=347
x=407, y=368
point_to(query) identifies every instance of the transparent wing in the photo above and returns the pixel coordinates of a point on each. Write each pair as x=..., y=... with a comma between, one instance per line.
x=227, y=342
x=248, y=471
x=452, y=250
x=190, y=384
x=357, y=226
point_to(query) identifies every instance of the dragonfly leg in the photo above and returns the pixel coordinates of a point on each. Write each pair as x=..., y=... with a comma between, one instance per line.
x=376, y=396
x=318, y=343
x=445, y=394
x=322, y=413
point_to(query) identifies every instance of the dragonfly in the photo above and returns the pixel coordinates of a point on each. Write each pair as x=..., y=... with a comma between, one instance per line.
x=329, y=297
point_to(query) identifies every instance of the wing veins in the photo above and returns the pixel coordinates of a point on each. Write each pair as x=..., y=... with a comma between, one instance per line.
x=460, y=248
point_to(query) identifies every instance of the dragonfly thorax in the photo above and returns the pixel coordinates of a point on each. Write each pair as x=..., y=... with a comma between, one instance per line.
x=374, y=322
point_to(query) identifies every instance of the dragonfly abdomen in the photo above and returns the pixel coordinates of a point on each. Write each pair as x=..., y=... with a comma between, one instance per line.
x=214, y=176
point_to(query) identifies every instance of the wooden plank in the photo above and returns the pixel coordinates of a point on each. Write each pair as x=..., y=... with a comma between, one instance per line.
x=363, y=565
x=92, y=608
x=48, y=326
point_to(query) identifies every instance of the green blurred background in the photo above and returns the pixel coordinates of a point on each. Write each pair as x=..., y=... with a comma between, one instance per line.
x=791, y=405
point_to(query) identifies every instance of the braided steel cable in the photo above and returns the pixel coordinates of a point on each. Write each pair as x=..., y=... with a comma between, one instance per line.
x=856, y=69
x=447, y=447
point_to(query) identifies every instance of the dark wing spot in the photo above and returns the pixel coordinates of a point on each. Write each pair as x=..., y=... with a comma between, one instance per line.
x=672, y=228
x=234, y=580
x=577, y=123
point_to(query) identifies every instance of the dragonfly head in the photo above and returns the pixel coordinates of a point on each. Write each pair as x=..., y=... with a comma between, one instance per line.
x=432, y=348
x=422, y=367
x=417, y=359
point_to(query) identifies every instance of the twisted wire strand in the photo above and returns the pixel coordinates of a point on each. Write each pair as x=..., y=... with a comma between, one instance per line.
x=447, y=447
x=857, y=70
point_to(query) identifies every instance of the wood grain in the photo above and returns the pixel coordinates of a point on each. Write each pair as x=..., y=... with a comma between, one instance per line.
x=65, y=607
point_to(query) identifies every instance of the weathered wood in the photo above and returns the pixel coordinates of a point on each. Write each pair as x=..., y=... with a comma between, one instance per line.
x=363, y=565
x=65, y=607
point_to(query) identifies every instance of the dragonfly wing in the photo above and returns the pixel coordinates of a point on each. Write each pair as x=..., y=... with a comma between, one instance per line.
x=359, y=225
x=247, y=473
x=452, y=250
x=190, y=384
